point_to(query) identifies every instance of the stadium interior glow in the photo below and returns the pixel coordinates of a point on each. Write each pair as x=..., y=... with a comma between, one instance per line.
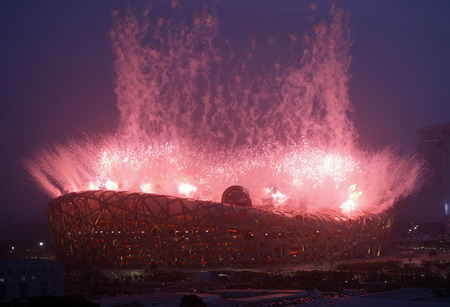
x=110, y=229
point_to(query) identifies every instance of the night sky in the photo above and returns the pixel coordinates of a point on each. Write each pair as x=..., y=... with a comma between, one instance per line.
x=57, y=74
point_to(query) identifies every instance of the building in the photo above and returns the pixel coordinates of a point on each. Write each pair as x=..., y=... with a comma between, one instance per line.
x=22, y=278
x=110, y=230
x=433, y=200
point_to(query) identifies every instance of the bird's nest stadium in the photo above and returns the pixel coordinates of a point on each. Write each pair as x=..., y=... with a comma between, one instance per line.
x=110, y=230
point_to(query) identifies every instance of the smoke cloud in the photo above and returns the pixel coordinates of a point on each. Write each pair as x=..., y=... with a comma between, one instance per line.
x=197, y=117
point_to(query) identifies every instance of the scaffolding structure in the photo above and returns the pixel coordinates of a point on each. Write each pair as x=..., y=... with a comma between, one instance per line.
x=110, y=229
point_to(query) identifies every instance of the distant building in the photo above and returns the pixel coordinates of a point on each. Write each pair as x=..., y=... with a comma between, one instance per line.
x=433, y=201
x=447, y=225
x=22, y=278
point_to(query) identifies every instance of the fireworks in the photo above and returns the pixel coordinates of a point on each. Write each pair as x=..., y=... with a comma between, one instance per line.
x=147, y=187
x=279, y=198
x=186, y=189
x=351, y=203
x=188, y=129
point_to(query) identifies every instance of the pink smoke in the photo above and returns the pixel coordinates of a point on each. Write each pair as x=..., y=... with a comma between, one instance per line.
x=194, y=121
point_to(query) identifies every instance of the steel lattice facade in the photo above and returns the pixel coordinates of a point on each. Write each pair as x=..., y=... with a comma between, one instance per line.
x=109, y=229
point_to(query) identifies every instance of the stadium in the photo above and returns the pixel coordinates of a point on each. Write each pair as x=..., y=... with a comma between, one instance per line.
x=115, y=229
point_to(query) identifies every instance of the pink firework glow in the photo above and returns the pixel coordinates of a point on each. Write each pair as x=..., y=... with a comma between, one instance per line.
x=195, y=119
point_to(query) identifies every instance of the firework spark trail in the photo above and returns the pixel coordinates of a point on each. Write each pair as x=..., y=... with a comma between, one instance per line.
x=193, y=123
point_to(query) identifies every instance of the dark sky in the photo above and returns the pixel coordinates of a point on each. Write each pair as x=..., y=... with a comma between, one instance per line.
x=57, y=75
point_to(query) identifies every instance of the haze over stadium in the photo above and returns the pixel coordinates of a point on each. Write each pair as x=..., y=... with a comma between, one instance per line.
x=197, y=116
